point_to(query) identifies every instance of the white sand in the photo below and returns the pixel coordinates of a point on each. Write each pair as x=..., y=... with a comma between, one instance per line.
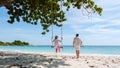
x=27, y=60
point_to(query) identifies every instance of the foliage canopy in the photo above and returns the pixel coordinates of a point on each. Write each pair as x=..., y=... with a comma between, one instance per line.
x=46, y=12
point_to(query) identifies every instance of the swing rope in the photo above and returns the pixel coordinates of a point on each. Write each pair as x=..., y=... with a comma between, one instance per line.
x=52, y=22
x=52, y=11
x=61, y=23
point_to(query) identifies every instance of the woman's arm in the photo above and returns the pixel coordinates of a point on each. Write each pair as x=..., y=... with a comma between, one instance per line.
x=59, y=40
x=53, y=40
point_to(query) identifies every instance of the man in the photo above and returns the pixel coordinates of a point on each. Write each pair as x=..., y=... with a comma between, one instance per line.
x=76, y=44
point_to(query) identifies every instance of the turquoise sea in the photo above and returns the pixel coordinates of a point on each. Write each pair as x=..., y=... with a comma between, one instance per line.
x=107, y=50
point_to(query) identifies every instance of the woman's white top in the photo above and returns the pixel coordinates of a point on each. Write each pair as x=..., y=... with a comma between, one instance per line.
x=56, y=42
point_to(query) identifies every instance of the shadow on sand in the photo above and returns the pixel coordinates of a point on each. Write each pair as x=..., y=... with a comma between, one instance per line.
x=20, y=60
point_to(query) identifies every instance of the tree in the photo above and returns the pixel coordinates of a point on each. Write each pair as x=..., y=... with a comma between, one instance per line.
x=15, y=42
x=25, y=43
x=5, y=2
x=1, y=43
x=18, y=42
x=45, y=12
x=8, y=43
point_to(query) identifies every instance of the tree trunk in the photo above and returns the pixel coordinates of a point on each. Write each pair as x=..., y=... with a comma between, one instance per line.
x=5, y=2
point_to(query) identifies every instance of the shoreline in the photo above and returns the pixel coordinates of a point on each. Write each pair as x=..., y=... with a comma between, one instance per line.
x=51, y=53
x=14, y=59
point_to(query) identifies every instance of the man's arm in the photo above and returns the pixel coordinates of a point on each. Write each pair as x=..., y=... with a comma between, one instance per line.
x=81, y=43
x=73, y=42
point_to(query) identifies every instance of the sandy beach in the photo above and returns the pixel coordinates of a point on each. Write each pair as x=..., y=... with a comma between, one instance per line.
x=28, y=60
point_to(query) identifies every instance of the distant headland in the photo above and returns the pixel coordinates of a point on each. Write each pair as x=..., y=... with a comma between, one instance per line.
x=14, y=43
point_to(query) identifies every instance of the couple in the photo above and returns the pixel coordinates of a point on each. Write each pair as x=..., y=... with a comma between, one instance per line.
x=76, y=44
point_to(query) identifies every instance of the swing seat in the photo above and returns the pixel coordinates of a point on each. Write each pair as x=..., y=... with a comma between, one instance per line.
x=53, y=46
x=61, y=46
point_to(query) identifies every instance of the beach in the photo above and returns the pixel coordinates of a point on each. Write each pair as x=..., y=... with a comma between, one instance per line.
x=10, y=59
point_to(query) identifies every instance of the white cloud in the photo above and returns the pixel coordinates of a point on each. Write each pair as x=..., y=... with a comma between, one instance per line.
x=107, y=3
x=18, y=29
x=98, y=28
x=112, y=8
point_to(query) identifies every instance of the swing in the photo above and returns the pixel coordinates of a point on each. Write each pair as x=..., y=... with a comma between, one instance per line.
x=61, y=46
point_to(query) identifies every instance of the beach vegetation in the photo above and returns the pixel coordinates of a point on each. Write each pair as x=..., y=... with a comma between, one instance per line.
x=14, y=43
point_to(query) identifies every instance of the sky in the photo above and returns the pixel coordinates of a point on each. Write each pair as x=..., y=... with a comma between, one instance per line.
x=93, y=30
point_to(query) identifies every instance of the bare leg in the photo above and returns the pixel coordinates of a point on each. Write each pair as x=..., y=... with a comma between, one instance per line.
x=56, y=50
x=77, y=53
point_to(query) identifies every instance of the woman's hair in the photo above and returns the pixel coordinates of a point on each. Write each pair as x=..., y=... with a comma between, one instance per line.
x=77, y=35
x=56, y=37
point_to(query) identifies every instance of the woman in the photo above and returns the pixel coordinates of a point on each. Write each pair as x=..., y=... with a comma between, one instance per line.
x=56, y=44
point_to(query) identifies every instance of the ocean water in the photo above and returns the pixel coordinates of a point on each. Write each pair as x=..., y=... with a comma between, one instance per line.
x=106, y=50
